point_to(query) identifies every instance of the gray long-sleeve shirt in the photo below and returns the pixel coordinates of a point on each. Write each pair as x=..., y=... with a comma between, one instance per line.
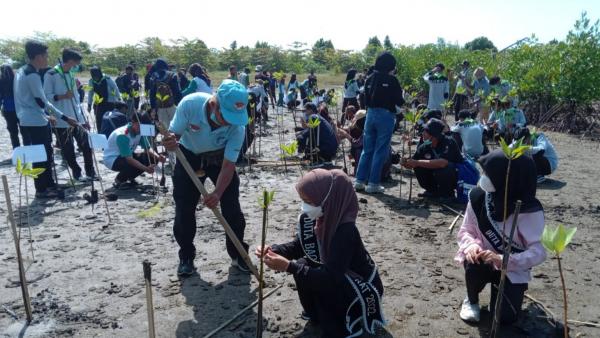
x=54, y=85
x=30, y=99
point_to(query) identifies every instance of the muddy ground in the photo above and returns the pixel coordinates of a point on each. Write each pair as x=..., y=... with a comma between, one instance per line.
x=88, y=282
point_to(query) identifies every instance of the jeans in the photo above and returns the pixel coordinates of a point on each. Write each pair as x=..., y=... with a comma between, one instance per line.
x=186, y=197
x=12, y=124
x=477, y=276
x=126, y=171
x=378, y=130
x=65, y=141
x=41, y=135
x=441, y=182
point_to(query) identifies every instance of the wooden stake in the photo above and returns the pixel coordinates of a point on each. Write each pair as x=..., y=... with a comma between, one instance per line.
x=192, y=174
x=237, y=315
x=149, y=303
x=22, y=278
x=454, y=223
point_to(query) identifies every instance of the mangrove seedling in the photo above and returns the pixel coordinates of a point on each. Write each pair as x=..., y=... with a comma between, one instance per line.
x=264, y=202
x=26, y=170
x=555, y=240
x=313, y=122
x=413, y=117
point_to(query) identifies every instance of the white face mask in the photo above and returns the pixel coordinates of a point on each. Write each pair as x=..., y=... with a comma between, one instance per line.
x=314, y=212
x=486, y=184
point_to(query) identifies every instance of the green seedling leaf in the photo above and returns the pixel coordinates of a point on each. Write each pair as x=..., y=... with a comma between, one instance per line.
x=267, y=198
x=461, y=90
x=314, y=122
x=19, y=166
x=87, y=88
x=150, y=212
x=97, y=99
x=125, y=96
x=556, y=239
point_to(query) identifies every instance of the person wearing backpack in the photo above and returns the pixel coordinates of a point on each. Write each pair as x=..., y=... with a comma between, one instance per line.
x=61, y=90
x=434, y=162
x=164, y=92
x=114, y=119
x=106, y=92
x=127, y=85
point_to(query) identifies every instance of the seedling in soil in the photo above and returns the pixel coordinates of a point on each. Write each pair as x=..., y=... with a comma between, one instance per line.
x=313, y=122
x=512, y=152
x=24, y=171
x=447, y=106
x=267, y=198
x=555, y=240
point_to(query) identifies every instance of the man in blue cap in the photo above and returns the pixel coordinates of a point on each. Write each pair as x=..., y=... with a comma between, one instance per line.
x=209, y=130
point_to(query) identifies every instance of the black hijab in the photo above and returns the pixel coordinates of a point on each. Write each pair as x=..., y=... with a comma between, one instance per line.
x=522, y=183
x=385, y=63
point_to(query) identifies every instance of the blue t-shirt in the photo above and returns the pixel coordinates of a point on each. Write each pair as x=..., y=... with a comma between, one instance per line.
x=190, y=121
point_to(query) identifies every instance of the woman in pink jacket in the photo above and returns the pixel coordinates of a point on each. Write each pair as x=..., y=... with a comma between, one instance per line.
x=480, y=236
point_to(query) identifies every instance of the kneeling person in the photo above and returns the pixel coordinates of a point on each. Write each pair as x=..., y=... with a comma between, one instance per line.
x=542, y=151
x=120, y=154
x=210, y=130
x=435, y=161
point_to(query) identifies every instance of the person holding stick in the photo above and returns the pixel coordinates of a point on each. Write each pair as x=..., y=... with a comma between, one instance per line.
x=60, y=88
x=328, y=258
x=31, y=104
x=209, y=130
x=483, y=233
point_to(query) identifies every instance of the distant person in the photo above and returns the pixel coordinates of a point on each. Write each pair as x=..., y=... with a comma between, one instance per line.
x=126, y=84
x=480, y=238
x=120, y=155
x=114, y=119
x=183, y=80
x=200, y=81
x=383, y=94
x=107, y=92
x=245, y=77
x=470, y=134
x=233, y=73
x=281, y=91
x=31, y=105
x=506, y=120
x=164, y=91
x=61, y=90
x=502, y=89
x=481, y=90
x=333, y=272
x=7, y=103
x=463, y=87
x=439, y=87
x=434, y=162
x=542, y=151
x=292, y=92
x=351, y=90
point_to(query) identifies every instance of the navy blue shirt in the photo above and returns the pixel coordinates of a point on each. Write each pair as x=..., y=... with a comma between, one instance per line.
x=327, y=141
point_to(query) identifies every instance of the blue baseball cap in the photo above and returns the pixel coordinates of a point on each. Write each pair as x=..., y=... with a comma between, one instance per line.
x=233, y=99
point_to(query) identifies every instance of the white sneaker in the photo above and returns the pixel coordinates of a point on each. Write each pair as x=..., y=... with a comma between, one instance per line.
x=469, y=312
x=374, y=189
x=358, y=186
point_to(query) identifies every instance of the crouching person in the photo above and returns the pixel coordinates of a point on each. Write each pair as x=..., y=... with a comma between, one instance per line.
x=543, y=152
x=434, y=162
x=120, y=153
x=337, y=281
x=480, y=238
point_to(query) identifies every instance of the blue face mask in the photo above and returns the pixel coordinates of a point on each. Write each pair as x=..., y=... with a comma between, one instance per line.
x=426, y=142
x=76, y=69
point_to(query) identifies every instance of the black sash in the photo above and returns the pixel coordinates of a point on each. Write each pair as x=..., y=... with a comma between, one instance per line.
x=364, y=311
x=482, y=205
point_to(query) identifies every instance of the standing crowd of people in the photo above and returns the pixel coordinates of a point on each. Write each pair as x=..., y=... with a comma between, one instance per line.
x=338, y=283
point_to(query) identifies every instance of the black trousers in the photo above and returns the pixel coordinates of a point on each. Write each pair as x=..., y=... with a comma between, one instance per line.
x=542, y=164
x=65, y=141
x=438, y=181
x=477, y=276
x=41, y=135
x=127, y=171
x=249, y=138
x=186, y=197
x=99, y=111
x=460, y=103
x=12, y=124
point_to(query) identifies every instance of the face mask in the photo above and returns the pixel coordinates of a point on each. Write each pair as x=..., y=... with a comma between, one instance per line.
x=314, y=212
x=213, y=117
x=426, y=142
x=486, y=184
x=76, y=69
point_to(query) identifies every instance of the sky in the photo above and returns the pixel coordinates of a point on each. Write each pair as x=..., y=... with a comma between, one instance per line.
x=348, y=23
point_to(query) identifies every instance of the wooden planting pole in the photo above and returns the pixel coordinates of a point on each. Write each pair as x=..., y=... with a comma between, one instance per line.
x=149, y=303
x=22, y=278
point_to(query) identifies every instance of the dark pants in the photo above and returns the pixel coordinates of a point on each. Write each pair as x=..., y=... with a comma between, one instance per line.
x=12, y=124
x=127, y=171
x=327, y=306
x=41, y=135
x=542, y=164
x=99, y=111
x=65, y=140
x=477, y=276
x=460, y=103
x=441, y=181
x=249, y=138
x=186, y=197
